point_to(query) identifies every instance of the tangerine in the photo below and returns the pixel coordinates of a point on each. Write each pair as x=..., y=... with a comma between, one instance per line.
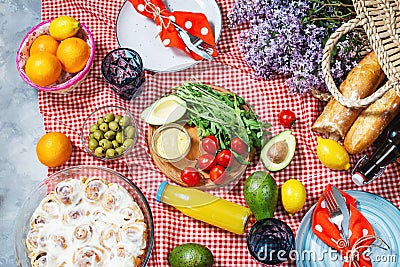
x=73, y=53
x=43, y=68
x=53, y=149
x=44, y=43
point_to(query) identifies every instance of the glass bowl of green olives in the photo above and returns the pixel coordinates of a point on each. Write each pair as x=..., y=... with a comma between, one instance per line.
x=109, y=133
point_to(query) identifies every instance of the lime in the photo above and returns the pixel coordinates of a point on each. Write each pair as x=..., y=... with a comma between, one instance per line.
x=332, y=154
x=293, y=195
x=63, y=27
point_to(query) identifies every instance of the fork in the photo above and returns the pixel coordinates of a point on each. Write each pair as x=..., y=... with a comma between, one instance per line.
x=196, y=41
x=334, y=212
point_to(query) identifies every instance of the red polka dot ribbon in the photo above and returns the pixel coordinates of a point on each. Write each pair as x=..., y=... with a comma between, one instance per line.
x=361, y=232
x=194, y=23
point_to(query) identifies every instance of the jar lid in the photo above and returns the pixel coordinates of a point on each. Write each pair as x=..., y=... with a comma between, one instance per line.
x=160, y=191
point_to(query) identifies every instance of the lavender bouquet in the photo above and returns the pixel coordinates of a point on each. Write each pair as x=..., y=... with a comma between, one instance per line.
x=287, y=38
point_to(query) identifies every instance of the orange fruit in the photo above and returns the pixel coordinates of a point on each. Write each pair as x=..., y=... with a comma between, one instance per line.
x=53, y=149
x=44, y=43
x=43, y=68
x=73, y=53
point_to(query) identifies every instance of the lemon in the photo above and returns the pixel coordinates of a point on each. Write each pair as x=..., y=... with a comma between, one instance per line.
x=293, y=195
x=64, y=27
x=332, y=154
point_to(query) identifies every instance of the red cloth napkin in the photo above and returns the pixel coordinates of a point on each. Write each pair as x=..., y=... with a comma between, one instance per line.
x=194, y=23
x=359, y=227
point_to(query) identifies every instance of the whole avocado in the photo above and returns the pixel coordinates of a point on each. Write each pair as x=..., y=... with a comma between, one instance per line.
x=191, y=255
x=261, y=194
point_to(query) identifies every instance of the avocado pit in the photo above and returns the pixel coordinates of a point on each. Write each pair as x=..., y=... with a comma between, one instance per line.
x=278, y=151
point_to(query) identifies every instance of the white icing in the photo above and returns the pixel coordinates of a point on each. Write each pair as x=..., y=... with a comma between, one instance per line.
x=87, y=222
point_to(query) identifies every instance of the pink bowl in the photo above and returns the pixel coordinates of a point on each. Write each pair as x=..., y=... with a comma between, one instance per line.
x=67, y=81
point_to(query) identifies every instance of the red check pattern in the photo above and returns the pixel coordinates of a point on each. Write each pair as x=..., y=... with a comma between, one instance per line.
x=66, y=113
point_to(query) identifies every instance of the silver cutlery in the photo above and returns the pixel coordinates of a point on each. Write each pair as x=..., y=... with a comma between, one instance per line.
x=335, y=213
x=341, y=202
x=194, y=43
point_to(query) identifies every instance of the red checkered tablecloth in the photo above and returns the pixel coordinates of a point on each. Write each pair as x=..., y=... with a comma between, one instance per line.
x=66, y=113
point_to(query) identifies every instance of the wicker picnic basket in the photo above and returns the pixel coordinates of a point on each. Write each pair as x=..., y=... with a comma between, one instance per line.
x=380, y=20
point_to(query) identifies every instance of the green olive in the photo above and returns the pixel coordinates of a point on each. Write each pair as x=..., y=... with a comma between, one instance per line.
x=98, y=135
x=117, y=118
x=93, y=128
x=91, y=136
x=110, y=153
x=127, y=143
x=119, y=150
x=113, y=125
x=108, y=117
x=93, y=144
x=120, y=137
x=100, y=120
x=130, y=132
x=106, y=144
x=124, y=121
x=99, y=151
x=103, y=127
x=110, y=135
x=115, y=143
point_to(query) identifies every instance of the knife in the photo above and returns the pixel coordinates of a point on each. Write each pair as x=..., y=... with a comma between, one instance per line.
x=186, y=39
x=340, y=200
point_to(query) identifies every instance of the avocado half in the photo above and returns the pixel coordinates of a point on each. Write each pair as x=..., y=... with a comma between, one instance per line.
x=164, y=110
x=279, y=151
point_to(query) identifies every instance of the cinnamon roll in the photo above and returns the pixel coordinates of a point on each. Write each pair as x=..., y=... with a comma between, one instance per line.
x=51, y=205
x=83, y=233
x=109, y=238
x=134, y=232
x=94, y=188
x=66, y=192
x=32, y=239
x=111, y=198
x=37, y=220
x=88, y=256
x=57, y=241
x=73, y=216
x=39, y=260
x=131, y=213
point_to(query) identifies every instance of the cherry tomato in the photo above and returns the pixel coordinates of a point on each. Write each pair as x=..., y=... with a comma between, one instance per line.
x=206, y=162
x=210, y=144
x=190, y=176
x=286, y=118
x=218, y=174
x=225, y=158
x=238, y=146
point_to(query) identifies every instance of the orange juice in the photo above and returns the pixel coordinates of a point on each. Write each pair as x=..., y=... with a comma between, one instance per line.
x=205, y=207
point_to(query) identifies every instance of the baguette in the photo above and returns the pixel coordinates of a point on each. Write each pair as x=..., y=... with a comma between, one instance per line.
x=371, y=122
x=362, y=81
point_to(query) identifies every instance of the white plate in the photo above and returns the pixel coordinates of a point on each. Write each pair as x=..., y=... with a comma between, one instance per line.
x=139, y=33
x=384, y=218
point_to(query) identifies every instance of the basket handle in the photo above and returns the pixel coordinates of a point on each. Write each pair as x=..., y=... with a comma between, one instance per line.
x=326, y=66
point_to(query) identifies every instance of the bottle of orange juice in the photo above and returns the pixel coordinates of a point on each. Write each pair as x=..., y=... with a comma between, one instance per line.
x=205, y=207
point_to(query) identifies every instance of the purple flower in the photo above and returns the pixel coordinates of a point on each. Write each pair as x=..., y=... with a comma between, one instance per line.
x=283, y=40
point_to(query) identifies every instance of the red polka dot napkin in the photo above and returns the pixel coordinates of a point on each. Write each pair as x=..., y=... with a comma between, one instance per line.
x=194, y=23
x=361, y=233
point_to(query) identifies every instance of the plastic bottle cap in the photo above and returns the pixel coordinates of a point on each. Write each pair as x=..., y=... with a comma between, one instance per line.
x=160, y=191
x=358, y=179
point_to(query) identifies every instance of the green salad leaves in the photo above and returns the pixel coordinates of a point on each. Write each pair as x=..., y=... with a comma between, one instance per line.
x=222, y=114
